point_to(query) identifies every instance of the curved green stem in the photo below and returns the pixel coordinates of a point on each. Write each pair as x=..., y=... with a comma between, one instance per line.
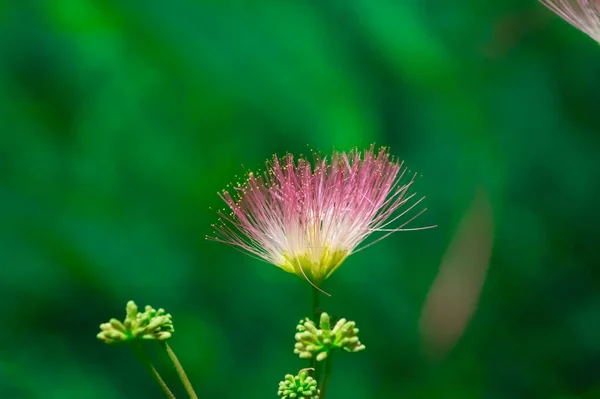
x=328, y=366
x=182, y=376
x=141, y=355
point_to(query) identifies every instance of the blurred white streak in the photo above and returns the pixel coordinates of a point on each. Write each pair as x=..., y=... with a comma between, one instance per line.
x=454, y=295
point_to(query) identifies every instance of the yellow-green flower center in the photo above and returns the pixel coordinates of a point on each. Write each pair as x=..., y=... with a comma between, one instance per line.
x=314, y=266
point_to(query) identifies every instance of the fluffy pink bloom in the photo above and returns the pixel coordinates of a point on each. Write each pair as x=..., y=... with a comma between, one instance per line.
x=582, y=14
x=307, y=219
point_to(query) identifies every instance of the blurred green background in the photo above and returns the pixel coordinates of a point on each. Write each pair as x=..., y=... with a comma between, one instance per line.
x=122, y=119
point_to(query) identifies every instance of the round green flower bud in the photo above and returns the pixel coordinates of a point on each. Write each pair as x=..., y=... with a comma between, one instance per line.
x=301, y=386
x=150, y=325
x=312, y=341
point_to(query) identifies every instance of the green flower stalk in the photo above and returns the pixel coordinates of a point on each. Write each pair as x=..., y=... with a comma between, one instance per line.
x=318, y=342
x=301, y=386
x=150, y=325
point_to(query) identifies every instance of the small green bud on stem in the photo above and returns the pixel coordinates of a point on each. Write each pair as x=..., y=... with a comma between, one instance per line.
x=150, y=325
x=318, y=342
x=301, y=386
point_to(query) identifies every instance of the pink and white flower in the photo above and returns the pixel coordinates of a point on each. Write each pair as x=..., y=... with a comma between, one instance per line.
x=307, y=219
x=582, y=14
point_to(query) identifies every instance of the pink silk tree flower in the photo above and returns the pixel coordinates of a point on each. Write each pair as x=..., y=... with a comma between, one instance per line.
x=307, y=219
x=582, y=14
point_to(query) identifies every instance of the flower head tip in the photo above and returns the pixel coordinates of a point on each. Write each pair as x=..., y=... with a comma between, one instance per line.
x=582, y=14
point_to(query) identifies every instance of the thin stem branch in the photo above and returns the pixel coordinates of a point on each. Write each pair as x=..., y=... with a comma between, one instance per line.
x=143, y=358
x=316, y=310
x=328, y=367
x=180, y=371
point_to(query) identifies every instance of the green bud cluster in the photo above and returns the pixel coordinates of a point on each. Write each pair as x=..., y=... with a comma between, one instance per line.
x=313, y=341
x=301, y=386
x=150, y=325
